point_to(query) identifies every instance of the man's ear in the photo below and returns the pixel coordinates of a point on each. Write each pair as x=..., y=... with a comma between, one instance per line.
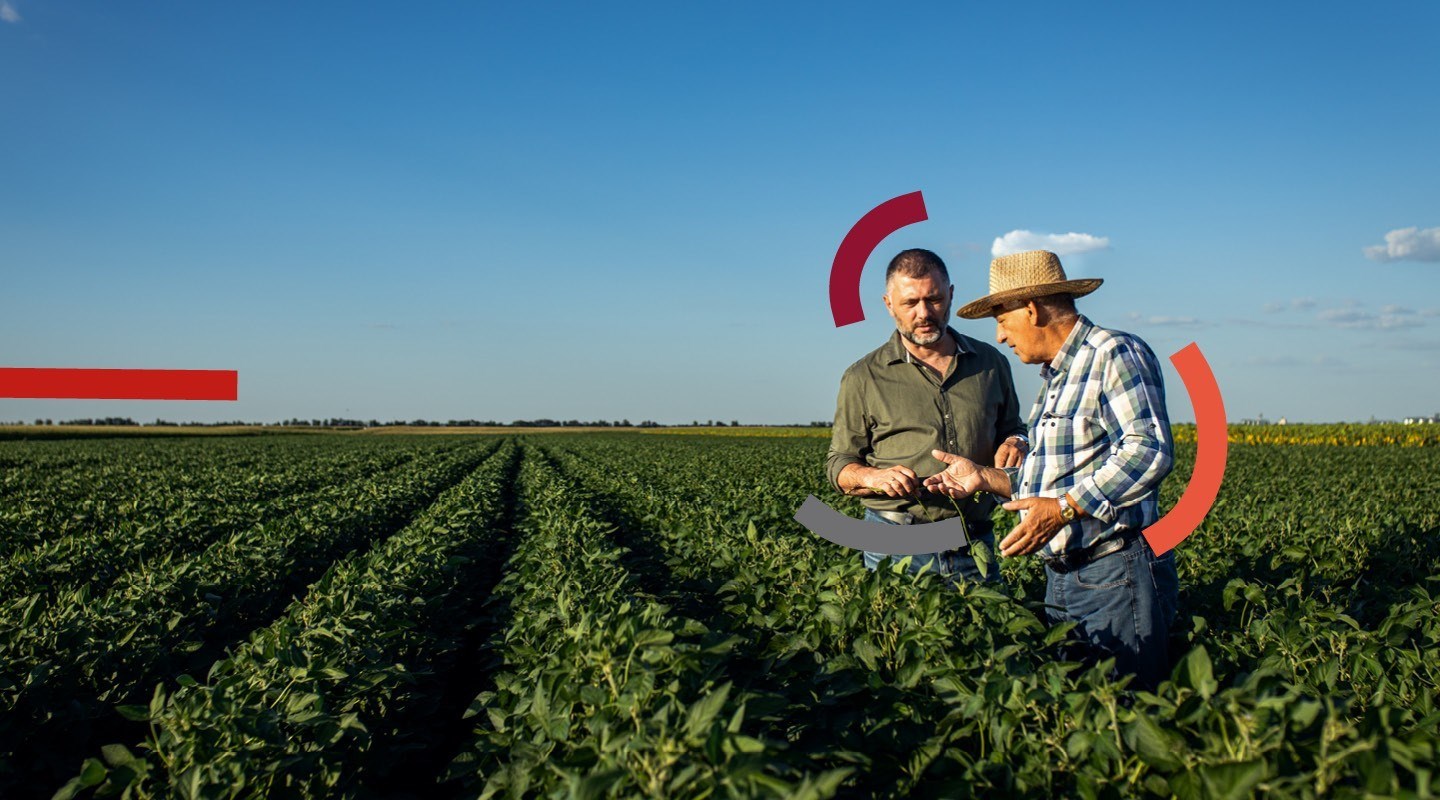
x=1036, y=313
x=886, y=298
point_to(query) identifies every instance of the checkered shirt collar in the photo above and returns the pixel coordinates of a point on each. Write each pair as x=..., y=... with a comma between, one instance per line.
x=1070, y=349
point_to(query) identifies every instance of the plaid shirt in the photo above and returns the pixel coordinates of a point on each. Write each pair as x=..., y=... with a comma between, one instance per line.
x=1100, y=432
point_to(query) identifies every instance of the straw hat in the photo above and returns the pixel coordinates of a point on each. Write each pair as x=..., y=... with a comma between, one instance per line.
x=1021, y=276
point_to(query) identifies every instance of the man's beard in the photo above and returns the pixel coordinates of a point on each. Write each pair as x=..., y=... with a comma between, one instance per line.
x=924, y=339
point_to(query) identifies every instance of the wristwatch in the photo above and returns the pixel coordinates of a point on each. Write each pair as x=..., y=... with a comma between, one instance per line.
x=1067, y=511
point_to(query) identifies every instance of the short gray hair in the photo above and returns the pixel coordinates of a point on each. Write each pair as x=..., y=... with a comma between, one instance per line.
x=1061, y=305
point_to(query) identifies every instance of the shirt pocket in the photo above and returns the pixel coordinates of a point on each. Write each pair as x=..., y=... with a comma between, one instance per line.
x=1070, y=435
x=1062, y=399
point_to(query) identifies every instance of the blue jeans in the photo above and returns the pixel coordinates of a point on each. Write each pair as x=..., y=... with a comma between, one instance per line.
x=1123, y=604
x=952, y=565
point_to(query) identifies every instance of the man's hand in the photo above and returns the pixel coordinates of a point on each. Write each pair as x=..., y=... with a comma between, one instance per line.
x=1011, y=452
x=896, y=481
x=1039, y=526
x=960, y=479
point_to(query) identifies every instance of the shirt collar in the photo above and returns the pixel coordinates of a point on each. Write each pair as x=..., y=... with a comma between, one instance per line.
x=1073, y=343
x=895, y=352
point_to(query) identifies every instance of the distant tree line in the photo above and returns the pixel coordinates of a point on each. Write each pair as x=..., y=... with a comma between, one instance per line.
x=484, y=423
x=340, y=422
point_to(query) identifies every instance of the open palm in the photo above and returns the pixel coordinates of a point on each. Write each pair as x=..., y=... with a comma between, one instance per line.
x=960, y=479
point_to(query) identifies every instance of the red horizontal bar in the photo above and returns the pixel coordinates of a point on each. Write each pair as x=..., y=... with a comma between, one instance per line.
x=119, y=384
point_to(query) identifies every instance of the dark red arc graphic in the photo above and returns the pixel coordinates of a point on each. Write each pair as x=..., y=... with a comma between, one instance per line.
x=859, y=243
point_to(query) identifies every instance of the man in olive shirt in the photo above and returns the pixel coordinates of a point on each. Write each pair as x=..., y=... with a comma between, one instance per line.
x=928, y=388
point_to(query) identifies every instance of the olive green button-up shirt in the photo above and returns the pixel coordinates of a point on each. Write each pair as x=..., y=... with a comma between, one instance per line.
x=893, y=409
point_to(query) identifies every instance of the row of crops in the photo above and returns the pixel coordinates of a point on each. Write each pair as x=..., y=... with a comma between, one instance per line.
x=628, y=615
x=1389, y=434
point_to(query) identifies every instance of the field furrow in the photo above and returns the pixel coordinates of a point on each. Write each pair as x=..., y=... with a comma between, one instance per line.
x=604, y=689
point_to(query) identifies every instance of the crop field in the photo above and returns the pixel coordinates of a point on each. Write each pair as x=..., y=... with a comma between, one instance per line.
x=619, y=614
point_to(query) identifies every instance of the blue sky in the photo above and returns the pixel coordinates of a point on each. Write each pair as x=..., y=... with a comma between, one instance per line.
x=566, y=211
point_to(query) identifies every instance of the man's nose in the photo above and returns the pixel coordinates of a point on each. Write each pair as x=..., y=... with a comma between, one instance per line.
x=999, y=334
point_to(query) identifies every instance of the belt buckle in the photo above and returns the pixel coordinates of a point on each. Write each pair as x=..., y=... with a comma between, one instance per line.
x=1113, y=546
x=1089, y=555
x=1061, y=564
x=898, y=517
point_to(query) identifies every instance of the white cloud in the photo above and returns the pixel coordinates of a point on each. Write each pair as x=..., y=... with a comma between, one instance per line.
x=1389, y=321
x=1298, y=303
x=1356, y=319
x=1345, y=317
x=1397, y=310
x=8, y=12
x=1161, y=320
x=1061, y=244
x=1407, y=244
x=1271, y=323
x=1295, y=361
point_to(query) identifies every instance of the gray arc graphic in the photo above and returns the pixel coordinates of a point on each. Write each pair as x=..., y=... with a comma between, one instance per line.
x=900, y=540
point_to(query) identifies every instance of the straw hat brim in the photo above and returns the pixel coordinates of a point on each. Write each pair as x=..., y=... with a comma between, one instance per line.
x=986, y=305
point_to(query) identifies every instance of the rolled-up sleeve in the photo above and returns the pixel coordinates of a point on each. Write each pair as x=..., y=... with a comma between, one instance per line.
x=1142, y=453
x=850, y=437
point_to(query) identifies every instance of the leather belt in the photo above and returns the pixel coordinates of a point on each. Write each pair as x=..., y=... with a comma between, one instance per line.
x=897, y=517
x=1076, y=559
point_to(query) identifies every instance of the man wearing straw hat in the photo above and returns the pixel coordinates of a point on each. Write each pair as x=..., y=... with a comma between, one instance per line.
x=1100, y=439
x=928, y=387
